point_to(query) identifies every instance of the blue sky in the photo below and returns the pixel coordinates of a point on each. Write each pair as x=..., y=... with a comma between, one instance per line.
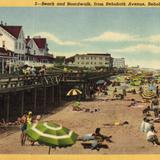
x=132, y=33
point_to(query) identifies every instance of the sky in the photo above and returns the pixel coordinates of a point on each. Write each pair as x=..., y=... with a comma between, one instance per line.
x=131, y=33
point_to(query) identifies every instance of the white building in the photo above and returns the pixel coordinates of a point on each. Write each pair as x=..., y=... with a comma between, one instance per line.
x=37, y=46
x=12, y=38
x=92, y=60
x=119, y=62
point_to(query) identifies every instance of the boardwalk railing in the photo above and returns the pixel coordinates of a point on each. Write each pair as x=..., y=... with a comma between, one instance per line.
x=49, y=79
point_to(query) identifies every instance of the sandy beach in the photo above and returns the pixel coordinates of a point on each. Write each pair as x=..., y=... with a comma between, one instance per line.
x=127, y=139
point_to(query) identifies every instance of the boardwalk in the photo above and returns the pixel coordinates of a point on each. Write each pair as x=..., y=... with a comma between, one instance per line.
x=40, y=93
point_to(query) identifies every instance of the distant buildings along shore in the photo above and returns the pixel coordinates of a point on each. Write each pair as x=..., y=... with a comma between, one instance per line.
x=18, y=50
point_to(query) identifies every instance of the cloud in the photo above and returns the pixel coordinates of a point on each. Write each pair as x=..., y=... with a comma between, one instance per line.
x=154, y=38
x=113, y=37
x=149, y=48
x=56, y=40
x=122, y=37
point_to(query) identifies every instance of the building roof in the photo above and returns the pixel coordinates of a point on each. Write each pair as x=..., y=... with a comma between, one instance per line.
x=94, y=54
x=40, y=42
x=70, y=59
x=99, y=54
x=13, y=30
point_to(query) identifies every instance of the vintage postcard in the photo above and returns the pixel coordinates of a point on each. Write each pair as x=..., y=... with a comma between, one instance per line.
x=79, y=80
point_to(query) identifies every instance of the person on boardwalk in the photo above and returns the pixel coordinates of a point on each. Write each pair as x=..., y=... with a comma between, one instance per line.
x=23, y=122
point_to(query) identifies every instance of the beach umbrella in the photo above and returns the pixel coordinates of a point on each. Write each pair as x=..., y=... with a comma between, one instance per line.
x=152, y=87
x=135, y=83
x=112, y=78
x=100, y=82
x=74, y=92
x=148, y=94
x=51, y=134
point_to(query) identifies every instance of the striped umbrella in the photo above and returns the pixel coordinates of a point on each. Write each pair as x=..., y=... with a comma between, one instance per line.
x=74, y=92
x=148, y=94
x=51, y=134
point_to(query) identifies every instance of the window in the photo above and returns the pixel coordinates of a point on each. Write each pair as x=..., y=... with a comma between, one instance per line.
x=87, y=58
x=82, y=57
x=23, y=46
x=95, y=58
x=16, y=45
x=34, y=52
x=100, y=58
x=19, y=36
x=19, y=45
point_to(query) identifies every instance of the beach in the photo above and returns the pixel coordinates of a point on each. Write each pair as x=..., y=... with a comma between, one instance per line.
x=127, y=139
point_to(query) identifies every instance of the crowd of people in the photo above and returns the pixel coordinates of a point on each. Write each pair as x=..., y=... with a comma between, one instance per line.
x=147, y=125
x=25, y=70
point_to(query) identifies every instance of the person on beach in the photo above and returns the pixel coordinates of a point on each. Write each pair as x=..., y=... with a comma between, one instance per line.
x=140, y=90
x=146, y=125
x=29, y=119
x=146, y=111
x=155, y=106
x=35, y=121
x=133, y=103
x=96, y=138
x=114, y=92
x=124, y=93
x=152, y=137
x=157, y=91
x=23, y=127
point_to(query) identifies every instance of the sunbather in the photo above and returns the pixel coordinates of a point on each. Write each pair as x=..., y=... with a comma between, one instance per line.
x=96, y=138
x=152, y=137
x=146, y=111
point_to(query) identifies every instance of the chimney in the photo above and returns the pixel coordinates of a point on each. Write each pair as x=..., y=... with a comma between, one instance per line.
x=3, y=44
x=28, y=37
x=1, y=23
x=5, y=24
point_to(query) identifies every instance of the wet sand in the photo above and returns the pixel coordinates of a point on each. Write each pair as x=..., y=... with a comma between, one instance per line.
x=127, y=139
